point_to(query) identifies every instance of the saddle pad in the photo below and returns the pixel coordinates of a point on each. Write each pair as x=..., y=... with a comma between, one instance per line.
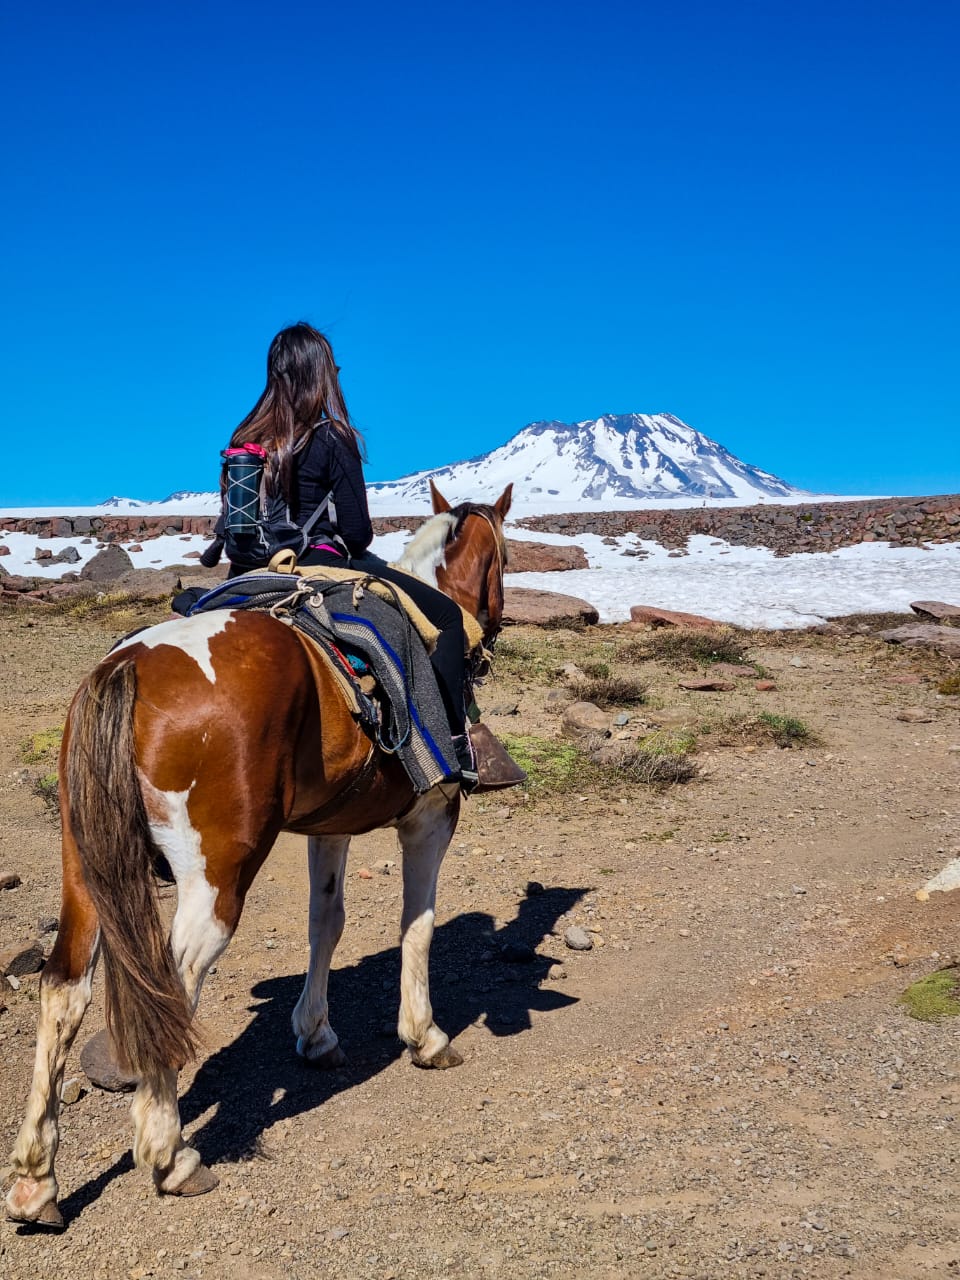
x=412, y=721
x=286, y=562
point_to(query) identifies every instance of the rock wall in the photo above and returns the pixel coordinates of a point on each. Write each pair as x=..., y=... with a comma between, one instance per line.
x=806, y=527
x=106, y=528
x=125, y=528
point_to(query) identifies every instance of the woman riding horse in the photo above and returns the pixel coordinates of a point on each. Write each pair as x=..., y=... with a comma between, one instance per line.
x=197, y=741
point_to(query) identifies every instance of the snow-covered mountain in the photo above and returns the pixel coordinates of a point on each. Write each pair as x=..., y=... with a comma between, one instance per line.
x=617, y=460
x=183, y=502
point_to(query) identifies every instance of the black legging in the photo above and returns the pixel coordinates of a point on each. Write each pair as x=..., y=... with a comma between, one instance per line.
x=448, y=655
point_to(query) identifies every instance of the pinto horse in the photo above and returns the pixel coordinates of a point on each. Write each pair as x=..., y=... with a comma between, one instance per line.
x=198, y=741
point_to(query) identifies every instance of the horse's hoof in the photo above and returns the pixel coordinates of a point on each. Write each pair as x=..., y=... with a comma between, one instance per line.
x=33, y=1201
x=329, y=1060
x=98, y=1062
x=51, y=1217
x=198, y=1184
x=442, y=1060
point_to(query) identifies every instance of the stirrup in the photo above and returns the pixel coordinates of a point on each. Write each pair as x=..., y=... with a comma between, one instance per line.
x=466, y=763
x=496, y=768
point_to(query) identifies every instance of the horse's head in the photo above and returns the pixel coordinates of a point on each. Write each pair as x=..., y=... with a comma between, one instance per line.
x=463, y=550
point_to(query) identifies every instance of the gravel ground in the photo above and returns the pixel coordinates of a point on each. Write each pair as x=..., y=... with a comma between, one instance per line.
x=723, y=1085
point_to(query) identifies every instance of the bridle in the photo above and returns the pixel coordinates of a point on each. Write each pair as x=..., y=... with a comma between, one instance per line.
x=480, y=662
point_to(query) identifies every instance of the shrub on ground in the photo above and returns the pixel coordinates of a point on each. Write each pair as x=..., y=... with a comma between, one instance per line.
x=682, y=648
x=741, y=728
x=610, y=691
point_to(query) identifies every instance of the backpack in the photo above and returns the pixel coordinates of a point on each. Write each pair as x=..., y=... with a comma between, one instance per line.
x=254, y=525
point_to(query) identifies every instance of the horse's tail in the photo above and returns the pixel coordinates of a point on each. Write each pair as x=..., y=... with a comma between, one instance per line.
x=148, y=1013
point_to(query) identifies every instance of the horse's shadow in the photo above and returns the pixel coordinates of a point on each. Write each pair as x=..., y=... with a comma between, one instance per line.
x=477, y=971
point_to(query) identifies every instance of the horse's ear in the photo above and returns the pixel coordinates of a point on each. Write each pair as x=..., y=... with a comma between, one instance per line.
x=502, y=504
x=437, y=500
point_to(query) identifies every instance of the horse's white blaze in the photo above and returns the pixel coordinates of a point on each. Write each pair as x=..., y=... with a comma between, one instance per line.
x=197, y=937
x=426, y=551
x=191, y=636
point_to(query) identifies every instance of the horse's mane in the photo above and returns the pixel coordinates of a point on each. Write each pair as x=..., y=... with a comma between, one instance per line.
x=423, y=554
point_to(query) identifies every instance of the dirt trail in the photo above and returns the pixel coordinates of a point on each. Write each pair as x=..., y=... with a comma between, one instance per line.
x=724, y=1086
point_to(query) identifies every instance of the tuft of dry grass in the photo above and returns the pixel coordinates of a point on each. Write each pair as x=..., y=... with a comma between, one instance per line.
x=609, y=691
x=573, y=623
x=114, y=606
x=742, y=728
x=865, y=622
x=653, y=769
x=949, y=684
x=47, y=787
x=686, y=648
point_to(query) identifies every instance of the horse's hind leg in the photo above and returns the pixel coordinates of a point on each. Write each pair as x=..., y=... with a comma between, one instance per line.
x=197, y=938
x=64, y=995
x=424, y=835
x=316, y=1039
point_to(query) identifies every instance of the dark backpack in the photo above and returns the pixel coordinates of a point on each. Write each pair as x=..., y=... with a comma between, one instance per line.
x=254, y=525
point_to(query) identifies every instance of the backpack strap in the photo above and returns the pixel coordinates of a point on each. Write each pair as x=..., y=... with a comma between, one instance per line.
x=326, y=506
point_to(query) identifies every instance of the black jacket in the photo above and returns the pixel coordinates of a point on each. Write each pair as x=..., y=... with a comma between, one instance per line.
x=326, y=465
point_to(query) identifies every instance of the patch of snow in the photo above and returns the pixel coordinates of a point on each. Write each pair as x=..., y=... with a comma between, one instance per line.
x=746, y=586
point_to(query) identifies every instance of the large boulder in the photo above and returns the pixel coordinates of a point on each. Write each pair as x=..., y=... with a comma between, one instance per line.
x=541, y=557
x=949, y=613
x=149, y=584
x=645, y=615
x=107, y=565
x=522, y=604
x=919, y=635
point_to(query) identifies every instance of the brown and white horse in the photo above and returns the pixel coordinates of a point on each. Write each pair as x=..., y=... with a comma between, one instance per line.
x=201, y=739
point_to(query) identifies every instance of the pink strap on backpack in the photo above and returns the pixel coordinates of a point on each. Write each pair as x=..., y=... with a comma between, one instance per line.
x=257, y=450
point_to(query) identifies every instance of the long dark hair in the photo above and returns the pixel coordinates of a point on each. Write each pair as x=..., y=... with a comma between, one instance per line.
x=302, y=391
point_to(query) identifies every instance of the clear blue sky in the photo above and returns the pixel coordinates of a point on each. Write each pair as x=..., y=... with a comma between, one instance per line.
x=742, y=213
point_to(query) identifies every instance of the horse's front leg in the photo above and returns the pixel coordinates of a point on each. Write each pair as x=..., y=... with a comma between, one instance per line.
x=316, y=1039
x=424, y=836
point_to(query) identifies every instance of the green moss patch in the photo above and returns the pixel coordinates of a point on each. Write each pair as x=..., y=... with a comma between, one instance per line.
x=550, y=764
x=43, y=746
x=934, y=997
